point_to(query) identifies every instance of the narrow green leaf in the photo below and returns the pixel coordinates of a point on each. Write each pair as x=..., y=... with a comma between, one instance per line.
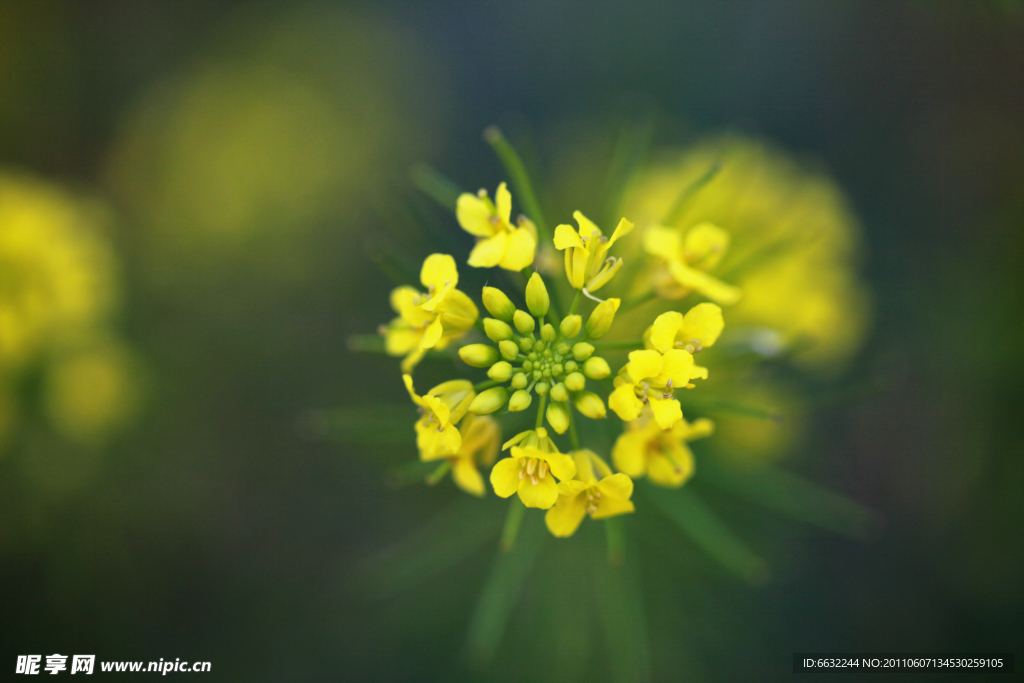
x=712, y=404
x=796, y=497
x=620, y=604
x=435, y=185
x=501, y=592
x=369, y=425
x=443, y=542
x=520, y=179
x=703, y=526
x=689, y=192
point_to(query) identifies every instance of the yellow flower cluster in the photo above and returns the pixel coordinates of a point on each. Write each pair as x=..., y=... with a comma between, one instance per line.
x=57, y=296
x=527, y=350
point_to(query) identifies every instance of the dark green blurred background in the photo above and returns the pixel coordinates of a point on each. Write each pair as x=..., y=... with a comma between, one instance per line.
x=249, y=152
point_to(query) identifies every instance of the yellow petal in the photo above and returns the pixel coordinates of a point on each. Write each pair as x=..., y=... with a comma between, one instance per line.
x=432, y=334
x=439, y=270
x=515, y=440
x=677, y=365
x=467, y=477
x=399, y=341
x=564, y=518
x=566, y=237
x=562, y=466
x=416, y=398
x=643, y=364
x=630, y=452
x=663, y=242
x=625, y=403
x=587, y=227
x=410, y=361
x=705, y=245
x=474, y=215
x=621, y=230
x=711, y=287
x=666, y=410
x=664, y=329
x=584, y=467
x=541, y=495
x=503, y=203
x=519, y=250
x=704, y=323
x=488, y=252
x=664, y=472
x=610, y=507
x=571, y=487
x=699, y=429
x=434, y=442
x=618, y=486
x=579, y=268
x=505, y=477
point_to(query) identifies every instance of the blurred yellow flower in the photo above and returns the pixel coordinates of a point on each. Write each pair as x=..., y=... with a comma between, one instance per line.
x=780, y=233
x=650, y=378
x=56, y=270
x=500, y=244
x=480, y=436
x=587, y=495
x=685, y=260
x=697, y=330
x=585, y=252
x=662, y=455
x=428, y=320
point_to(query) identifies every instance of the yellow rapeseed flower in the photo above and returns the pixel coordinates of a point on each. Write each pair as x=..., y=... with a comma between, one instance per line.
x=585, y=252
x=500, y=244
x=650, y=378
x=685, y=260
x=428, y=320
x=442, y=408
x=480, y=439
x=600, y=498
x=697, y=330
x=527, y=471
x=662, y=455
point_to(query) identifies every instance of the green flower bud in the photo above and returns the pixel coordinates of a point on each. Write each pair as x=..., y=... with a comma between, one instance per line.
x=528, y=365
x=520, y=401
x=559, y=393
x=526, y=344
x=542, y=388
x=582, y=351
x=523, y=321
x=547, y=333
x=540, y=346
x=479, y=355
x=547, y=373
x=570, y=326
x=575, y=382
x=488, y=401
x=497, y=304
x=563, y=349
x=557, y=369
x=509, y=349
x=500, y=371
x=537, y=299
x=601, y=319
x=496, y=330
x=596, y=368
x=571, y=366
x=519, y=380
x=558, y=417
x=590, y=405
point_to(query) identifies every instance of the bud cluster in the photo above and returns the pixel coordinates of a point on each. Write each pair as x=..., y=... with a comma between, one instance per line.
x=535, y=357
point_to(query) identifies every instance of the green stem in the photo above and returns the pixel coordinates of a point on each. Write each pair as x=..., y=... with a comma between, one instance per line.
x=616, y=538
x=438, y=474
x=575, y=302
x=520, y=179
x=574, y=438
x=612, y=344
x=513, y=521
x=540, y=410
x=486, y=384
x=432, y=183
